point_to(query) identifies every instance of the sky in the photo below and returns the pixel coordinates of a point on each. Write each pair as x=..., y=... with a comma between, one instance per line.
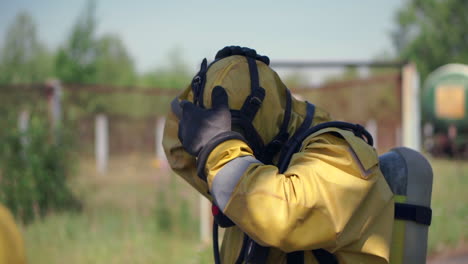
x=283, y=30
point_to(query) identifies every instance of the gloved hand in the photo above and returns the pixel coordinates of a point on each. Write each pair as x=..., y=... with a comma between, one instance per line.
x=201, y=130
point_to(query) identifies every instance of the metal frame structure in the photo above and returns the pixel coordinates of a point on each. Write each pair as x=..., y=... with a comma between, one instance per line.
x=410, y=87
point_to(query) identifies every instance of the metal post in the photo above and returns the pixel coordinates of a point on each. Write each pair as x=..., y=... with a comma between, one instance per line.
x=205, y=219
x=159, y=131
x=411, y=119
x=56, y=104
x=101, y=143
x=372, y=127
x=23, y=124
x=54, y=99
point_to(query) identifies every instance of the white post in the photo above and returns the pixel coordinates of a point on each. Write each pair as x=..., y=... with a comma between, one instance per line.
x=159, y=131
x=398, y=140
x=55, y=108
x=101, y=143
x=411, y=118
x=23, y=124
x=56, y=104
x=205, y=219
x=371, y=126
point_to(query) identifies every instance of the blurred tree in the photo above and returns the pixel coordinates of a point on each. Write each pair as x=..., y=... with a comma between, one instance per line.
x=174, y=76
x=432, y=33
x=113, y=64
x=87, y=59
x=77, y=61
x=23, y=58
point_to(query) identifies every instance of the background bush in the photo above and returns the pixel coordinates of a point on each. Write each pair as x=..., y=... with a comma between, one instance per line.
x=34, y=166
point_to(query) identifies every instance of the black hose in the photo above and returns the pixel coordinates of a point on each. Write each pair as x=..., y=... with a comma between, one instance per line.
x=217, y=258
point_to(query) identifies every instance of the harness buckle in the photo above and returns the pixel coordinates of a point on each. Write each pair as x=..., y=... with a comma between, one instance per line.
x=277, y=142
x=255, y=100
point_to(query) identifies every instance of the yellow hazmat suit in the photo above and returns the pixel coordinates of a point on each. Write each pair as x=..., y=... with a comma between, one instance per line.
x=332, y=196
x=11, y=244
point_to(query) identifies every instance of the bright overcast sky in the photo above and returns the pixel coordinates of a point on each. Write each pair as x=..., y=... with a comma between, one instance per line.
x=302, y=30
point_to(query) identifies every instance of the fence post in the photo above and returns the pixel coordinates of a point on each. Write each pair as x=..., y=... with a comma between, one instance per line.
x=411, y=119
x=54, y=98
x=23, y=124
x=101, y=143
x=161, y=159
x=205, y=219
x=371, y=126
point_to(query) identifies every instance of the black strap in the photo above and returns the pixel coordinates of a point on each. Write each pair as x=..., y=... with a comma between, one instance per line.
x=324, y=257
x=310, y=112
x=294, y=146
x=217, y=258
x=255, y=253
x=287, y=115
x=294, y=140
x=198, y=84
x=243, y=51
x=199, y=81
x=255, y=141
x=279, y=140
x=241, y=256
x=411, y=212
x=321, y=255
x=253, y=102
x=296, y=257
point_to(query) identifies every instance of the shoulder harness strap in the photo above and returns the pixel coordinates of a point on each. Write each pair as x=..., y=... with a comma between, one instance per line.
x=295, y=139
x=278, y=142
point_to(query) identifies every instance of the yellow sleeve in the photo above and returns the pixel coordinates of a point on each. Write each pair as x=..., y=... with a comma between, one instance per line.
x=321, y=201
x=180, y=161
x=11, y=243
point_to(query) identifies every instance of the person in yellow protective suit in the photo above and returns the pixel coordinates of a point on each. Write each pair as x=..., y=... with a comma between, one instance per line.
x=11, y=244
x=228, y=135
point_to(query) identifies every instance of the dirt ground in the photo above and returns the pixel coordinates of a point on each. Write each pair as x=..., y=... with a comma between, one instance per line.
x=457, y=256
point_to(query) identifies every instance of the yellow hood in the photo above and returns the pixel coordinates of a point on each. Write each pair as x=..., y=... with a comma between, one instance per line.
x=232, y=73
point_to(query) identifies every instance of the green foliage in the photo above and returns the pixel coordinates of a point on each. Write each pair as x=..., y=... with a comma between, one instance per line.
x=23, y=58
x=117, y=223
x=76, y=61
x=84, y=58
x=185, y=217
x=449, y=205
x=113, y=63
x=432, y=33
x=109, y=237
x=87, y=59
x=163, y=78
x=174, y=76
x=163, y=213
x=172, y=210
x=34, y=171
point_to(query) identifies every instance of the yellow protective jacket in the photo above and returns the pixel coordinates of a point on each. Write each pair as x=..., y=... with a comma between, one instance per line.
x=11, y=244
x=332, y=195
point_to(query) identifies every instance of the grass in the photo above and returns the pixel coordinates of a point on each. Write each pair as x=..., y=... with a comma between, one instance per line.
x=449, y=227
x=137, y=213
x=126, y=218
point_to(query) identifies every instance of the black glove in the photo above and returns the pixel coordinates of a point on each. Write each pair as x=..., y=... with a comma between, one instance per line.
x=201, y=130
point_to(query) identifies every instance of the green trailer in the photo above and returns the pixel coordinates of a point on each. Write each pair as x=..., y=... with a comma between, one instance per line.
x=445, y=110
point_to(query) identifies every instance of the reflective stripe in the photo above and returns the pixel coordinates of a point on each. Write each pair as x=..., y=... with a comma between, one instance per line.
x=227, y=178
